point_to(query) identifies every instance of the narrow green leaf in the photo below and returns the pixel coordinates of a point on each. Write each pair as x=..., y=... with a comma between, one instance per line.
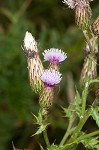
x=8, y=14
x=78, y=104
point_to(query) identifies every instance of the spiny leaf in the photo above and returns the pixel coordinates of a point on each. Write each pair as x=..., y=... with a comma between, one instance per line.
x=40, y=130
x=95, y=114
x=53, y=147
x=76, y=107
x=78, y=98
x=91, y=143
x=67, y=111
x=38, y=118
x=78, y=103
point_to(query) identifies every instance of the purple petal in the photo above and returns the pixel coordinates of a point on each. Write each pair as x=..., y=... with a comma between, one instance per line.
x=54, y=55
x=51, y=77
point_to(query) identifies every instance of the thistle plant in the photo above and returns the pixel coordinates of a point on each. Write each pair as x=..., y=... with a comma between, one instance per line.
x=43, y=81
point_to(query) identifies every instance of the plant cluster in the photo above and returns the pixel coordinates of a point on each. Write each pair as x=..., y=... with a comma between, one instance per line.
x=43, y=82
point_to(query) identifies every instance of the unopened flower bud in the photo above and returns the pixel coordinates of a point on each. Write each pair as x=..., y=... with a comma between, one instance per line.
x=30, y=45
x=35, y=67
x=82, y=14
x=90, y=65
x=54, y=56
x=50, y=79
x=82, y=11
x=95, y=26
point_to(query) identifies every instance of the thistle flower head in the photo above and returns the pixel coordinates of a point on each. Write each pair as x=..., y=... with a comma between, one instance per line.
x=29, y=42
x=54, y=55
x=51, y=77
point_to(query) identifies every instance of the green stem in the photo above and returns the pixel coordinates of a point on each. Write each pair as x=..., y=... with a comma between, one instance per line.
x=88, y=135
x=67, y=146
x=78, y=128
x=87, y=39
x=46, y=138
x=67, y=133
x=76, y=131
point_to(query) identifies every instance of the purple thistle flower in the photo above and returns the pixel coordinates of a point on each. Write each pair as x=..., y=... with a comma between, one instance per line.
x=54, y=55
x=51, y=77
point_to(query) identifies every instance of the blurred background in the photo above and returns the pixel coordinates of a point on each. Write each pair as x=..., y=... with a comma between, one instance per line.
x=53, y=25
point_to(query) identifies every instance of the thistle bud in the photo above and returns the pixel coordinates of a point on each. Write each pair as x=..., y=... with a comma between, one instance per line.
x=50, y=79
x=30, y=45
x=82, y=14
x=90, y=65
x=92, y=72
x=82, y=11
x=95, y=26
x=54, y=56
x=35, y=67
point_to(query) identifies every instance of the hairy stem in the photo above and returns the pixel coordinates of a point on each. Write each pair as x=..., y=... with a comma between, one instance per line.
x=67, y=133
x=87, y=39
x=78, y=140
x=84, y=98
x=88, y=135
x=77, y=130
x=46, y=138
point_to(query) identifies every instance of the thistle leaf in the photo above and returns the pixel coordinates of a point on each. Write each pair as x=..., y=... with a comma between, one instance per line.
x=78, y=104
x=67, y=111
x=38, y=118
x=91, y=143
x=95, y=114
x=54, y=147
x=40, y=129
